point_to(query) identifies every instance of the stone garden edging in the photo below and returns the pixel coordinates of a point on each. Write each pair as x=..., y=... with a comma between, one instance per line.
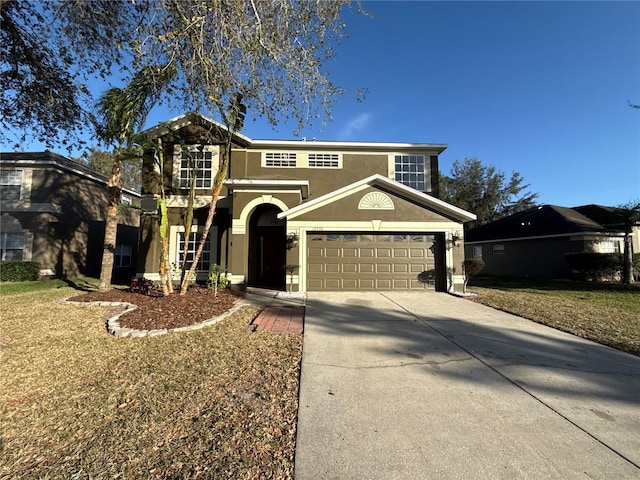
x=114, y=328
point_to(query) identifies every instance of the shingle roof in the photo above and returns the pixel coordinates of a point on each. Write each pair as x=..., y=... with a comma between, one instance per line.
x=545, y=220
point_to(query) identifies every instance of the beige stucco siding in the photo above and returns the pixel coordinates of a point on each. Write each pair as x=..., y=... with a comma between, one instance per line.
x=349, y=209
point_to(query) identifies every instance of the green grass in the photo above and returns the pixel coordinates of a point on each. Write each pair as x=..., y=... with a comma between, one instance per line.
x=607, y=313
x=220, y=402
x=12, y=288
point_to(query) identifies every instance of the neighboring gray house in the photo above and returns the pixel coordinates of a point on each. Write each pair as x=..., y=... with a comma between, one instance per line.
x=52, y=211
x=534, y=242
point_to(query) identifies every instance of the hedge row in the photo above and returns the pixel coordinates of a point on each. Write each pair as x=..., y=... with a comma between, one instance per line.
x=19, y=271
x=601, y=266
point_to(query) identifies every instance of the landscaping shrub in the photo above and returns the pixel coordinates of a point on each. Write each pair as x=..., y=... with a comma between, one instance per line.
x=19, y=271
x=596, y=266
x=470, y=267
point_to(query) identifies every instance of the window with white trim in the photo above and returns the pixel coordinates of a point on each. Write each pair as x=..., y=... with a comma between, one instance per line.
x=198, y=160
x=11, y=246
x=477, y=251
x=323, y=160
x=122, y=255
x=497, y=249
x=194, y=241
x=280, y=159
x=410, y=171
x=10, y=184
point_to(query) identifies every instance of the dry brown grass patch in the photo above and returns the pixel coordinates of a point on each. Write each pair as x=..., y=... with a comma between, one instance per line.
x=220, y=402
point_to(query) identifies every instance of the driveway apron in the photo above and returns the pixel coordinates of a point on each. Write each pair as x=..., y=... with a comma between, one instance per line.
x=427, y=385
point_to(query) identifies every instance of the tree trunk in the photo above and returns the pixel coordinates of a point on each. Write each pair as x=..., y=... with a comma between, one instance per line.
x=114, y=188
x=216, y=187
x=627, y=266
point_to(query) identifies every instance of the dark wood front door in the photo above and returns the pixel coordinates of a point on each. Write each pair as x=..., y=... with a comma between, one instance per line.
x=270, y=258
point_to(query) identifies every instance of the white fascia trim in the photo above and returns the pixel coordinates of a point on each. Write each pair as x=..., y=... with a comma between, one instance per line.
x=305, y=226
x=375, y=146
x=182, y=121
x=97, y=177
x=272, y=186
x=541, y=237
x=423, y=198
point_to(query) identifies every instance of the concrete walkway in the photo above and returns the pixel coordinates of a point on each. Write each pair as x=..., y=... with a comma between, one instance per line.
x=426, y=385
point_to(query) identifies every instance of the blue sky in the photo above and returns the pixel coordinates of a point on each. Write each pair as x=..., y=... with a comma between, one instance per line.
x=541, y=88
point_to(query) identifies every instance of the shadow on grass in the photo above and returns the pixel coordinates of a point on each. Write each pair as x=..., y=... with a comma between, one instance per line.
x=547, y=284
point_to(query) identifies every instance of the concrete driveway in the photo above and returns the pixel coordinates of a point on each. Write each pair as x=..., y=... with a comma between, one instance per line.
x=427, y=385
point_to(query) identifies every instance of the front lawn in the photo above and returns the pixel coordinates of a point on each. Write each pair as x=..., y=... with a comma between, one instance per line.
x=607, y=313
x=220, y=402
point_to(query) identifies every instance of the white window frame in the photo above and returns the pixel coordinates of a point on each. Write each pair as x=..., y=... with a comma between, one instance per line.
x=11, y=177
x=204, y=177
x=9, y=242
x=324, y=160
x=497, y=249
x=476, y=251
x=280, y=159
x=175, y=252
x=410, y=166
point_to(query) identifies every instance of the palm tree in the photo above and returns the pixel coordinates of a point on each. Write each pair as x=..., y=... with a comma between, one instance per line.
x=122, y=112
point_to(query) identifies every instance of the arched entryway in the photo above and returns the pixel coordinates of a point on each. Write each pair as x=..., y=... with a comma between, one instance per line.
x=267, y=252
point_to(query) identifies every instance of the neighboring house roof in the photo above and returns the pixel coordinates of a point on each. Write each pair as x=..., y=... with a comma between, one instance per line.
x=542, y=221
x=194, y=118
x=54, y=160
x=390, y=185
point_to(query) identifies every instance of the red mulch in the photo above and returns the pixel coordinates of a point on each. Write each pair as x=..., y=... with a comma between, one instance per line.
x=172, y=311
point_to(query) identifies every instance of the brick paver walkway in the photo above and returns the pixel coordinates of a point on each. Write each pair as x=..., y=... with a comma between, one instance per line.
x=280, y=319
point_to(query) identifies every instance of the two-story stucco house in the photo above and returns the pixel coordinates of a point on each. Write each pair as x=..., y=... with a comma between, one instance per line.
x=52, y=211
x=349, y=215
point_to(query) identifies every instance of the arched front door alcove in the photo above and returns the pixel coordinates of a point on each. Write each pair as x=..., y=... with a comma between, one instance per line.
x=267, y=250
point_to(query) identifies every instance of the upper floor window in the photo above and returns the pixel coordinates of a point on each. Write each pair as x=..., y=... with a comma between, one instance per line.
x=10, y=184
x=410, y=171
x=199, y=161
x=280, y=159
x=323, y=160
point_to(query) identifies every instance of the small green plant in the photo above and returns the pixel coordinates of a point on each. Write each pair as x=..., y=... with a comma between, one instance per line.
x=217, y=278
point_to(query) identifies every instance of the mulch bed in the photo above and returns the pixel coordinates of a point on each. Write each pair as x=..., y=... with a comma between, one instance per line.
x=172, y=311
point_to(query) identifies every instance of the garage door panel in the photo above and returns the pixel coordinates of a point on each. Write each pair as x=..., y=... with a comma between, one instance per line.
x=370, y=262
x=400, y=268
x=350, y=284
x=332, y=267
x=332, y=284
x=383, y=268
x=349, y=268
x=367, y=283
x=316, y=267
